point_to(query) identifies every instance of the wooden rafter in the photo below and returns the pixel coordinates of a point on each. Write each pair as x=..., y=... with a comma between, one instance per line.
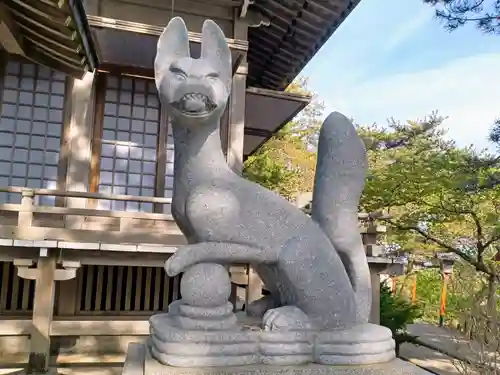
x=10, y=37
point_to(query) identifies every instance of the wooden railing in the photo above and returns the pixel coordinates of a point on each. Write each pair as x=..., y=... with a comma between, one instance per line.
x=99, y=291
x=16, y=294
x=28, y=221
x=118, y=290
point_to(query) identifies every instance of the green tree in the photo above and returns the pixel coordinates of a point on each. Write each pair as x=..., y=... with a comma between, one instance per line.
x=286, y=163
x=485, y=14
x=441, y=197
x=396, y=313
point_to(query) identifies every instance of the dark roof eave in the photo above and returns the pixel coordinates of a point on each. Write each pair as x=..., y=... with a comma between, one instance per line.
x=303, y=99
x=268, y=73
x=54, y=34
x=83, y=28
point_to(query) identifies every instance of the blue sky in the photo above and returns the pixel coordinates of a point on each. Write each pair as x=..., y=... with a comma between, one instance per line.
x=392, y=58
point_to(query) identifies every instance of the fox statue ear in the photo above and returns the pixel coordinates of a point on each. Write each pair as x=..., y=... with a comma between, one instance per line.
x=173, y=44
x=214, y=48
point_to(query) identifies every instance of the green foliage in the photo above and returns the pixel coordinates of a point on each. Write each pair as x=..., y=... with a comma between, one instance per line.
x=286, y=163
x=466, y=290
x=441, y=197
x=429, y=286
x=437, y=193
x=396, y=313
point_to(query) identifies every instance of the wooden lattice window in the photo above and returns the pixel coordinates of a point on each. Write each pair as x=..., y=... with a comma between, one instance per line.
x=31, y=122
x=130, y=142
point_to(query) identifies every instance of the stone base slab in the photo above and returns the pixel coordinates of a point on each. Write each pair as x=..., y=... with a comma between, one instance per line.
x=185, y=347
x=140, y=362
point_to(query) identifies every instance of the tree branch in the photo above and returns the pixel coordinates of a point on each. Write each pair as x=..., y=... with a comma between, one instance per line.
x=456, y=13
x=491, y=241
x=479, y=234
x=480, y=266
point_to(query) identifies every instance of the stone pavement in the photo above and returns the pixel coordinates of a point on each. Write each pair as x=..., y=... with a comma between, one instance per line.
x=431, y=360
x=445, y=340
x=443, y=350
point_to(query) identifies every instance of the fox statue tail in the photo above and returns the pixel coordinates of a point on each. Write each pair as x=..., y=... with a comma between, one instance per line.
x=339, y=181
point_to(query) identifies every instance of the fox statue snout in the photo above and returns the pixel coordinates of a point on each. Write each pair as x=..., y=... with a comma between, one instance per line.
x=194, y=97
x=193, y=90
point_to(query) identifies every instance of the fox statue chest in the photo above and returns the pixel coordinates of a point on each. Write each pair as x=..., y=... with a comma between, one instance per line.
x=204, y=210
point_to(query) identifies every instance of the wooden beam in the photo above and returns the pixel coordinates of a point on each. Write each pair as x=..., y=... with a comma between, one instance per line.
x=14, y=327
x=161, y=159
x=76, y=326
x=236, y=105
x=111, y=326
x=43, y=310
x=170, y=236
x=142, y=28
x=10, y=37
x=258, y=132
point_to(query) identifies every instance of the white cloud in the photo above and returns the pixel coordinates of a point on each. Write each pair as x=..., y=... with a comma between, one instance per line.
x=407, y=28
x=466, y=90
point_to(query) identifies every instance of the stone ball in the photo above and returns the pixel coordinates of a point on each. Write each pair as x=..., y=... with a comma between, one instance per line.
x=206, y=285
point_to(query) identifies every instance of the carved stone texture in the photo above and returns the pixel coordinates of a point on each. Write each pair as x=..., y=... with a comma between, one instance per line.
x=206, y=285
x=315, y=267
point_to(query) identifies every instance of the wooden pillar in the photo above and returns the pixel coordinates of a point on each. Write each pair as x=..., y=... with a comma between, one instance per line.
x=67, y=294
x=77, y=147
x=236, y=128
x=236, y=135
x=43, y=309
x=254, y=287
x=236, y=109
x=375, y=311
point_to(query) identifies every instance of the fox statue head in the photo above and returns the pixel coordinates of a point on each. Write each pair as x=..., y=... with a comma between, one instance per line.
x=194, y=91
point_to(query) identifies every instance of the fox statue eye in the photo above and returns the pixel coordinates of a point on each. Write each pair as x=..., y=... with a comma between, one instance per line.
x=212, y=76
x=178, y=72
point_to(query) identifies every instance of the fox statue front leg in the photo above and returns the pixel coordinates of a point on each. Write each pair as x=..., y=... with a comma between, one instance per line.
x=217, y=252
x=300, y=309
x=274, y=316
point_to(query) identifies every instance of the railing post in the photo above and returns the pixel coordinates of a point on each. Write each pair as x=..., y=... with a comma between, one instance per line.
x=43, y=309
x=25, y=218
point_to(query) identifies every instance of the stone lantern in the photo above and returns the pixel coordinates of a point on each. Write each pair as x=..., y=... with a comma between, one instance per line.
x=446, y=261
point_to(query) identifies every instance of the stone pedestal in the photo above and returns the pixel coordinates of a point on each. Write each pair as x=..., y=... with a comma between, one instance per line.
x=140, y=362
x=201, y=330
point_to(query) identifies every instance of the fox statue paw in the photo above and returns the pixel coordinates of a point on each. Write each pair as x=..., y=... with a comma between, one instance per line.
x=286, y=318
x=258, y=308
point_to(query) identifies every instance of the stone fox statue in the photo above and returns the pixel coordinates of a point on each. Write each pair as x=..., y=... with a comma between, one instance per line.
x=315, y=268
